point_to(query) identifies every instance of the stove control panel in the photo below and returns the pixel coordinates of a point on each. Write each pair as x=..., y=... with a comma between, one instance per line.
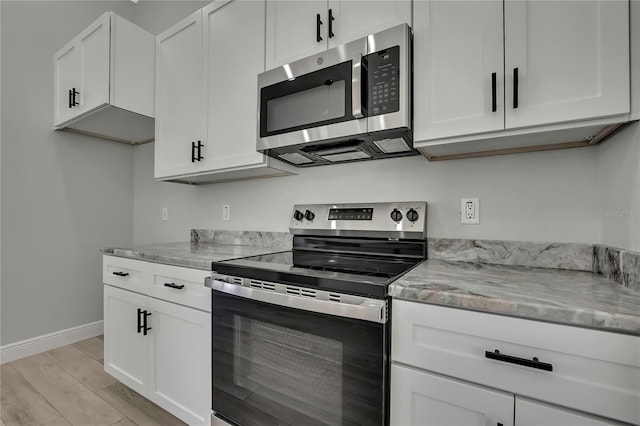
x=394, y=220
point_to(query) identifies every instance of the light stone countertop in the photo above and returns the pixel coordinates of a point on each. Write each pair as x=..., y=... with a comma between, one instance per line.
x=561, y=296
x=188, y=254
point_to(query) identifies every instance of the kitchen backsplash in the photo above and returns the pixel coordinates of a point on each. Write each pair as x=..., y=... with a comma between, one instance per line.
x=622, y=266
x=577, y=257
x=276, y=240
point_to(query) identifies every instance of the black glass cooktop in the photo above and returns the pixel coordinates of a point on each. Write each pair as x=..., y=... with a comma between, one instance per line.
x=352, y=274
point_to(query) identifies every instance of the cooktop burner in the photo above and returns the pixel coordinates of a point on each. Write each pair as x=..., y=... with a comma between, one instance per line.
x=349, y=248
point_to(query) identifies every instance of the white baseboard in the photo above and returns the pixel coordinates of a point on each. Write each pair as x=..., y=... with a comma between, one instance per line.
x=36, y=345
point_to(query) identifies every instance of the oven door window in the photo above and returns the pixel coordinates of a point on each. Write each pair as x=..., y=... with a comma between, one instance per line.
x=315, y=99
x=282, y=366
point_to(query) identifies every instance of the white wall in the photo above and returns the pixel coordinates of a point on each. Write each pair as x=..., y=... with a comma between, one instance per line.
x=619, y=179
x=64, y=196
x=547, y=196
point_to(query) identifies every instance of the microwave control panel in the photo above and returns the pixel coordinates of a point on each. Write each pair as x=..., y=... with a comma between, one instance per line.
x=383, y=81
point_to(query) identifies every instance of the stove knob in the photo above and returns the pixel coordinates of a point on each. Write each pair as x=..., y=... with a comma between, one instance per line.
x=396, y=215
x=309, y=215
x=412, y=215
x=298, y=215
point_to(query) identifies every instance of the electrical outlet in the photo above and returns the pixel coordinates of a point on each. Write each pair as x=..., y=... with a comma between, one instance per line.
x=226, y=212
x=470, y=211
x=165, y=213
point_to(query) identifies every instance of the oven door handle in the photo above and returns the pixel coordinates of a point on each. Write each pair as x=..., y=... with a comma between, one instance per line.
x=372, y=310
x=356, y=86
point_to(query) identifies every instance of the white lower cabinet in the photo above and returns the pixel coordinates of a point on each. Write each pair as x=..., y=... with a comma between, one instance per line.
x=533, y=413
x=419, y=398
x=458, y=367
x=126, y=352
x=159, y=348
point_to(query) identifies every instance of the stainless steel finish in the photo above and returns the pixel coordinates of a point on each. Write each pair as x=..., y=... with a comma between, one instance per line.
x=399, y=35
x=356, y=87
x=325, y=59
x=380, y=225
x=358, y=128
x=307, y=299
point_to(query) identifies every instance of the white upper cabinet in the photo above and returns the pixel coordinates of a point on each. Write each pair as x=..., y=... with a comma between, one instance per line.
x=561, y=74
x=458, y=62
x=179, y=98
x=572, y=60
x=293, y=30
x=296, y=29
x=104, y=81
x=353, y=19
x=231, y=90
x=206, y=112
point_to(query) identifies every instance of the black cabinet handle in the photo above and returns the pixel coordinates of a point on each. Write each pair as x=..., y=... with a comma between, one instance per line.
x=515, y=88
x=140, y=326
x=318, y=24
x=72, y=97
x=533, y=363
x=331, y=18
x=199, y=146
x=145, y=328
x=121, y=274
x=196, y=148
x=494, y=96
x=174, y=285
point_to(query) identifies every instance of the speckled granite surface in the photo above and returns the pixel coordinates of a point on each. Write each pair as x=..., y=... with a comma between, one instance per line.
x=622, y=266
x=562, y=296
x=573, y=256
x=275, y=240
x=196, y=254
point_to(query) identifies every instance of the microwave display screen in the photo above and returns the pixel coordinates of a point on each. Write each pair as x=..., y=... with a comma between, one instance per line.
x=351, y=214
x=383, y=81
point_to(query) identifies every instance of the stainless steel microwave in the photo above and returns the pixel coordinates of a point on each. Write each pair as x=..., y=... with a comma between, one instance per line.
x=349, y=103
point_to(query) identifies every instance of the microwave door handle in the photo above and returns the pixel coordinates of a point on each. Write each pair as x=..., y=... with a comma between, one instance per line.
x=356, y=87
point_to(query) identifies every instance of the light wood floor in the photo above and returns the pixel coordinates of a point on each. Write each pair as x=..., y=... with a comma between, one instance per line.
x=68, y=386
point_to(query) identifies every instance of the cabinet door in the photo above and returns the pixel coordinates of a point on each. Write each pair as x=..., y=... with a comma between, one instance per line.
x=419, y=398
x=125, y=348
x=571, y=57
x=179, y=98
x=231, y=71
x=66, y=76
x=533, y=413
x=357, y=18
x=457, y=51
x=94, y=47
x=180, y=361
x=291, y=30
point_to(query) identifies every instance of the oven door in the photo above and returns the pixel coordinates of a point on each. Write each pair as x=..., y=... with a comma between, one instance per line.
x=275, y=365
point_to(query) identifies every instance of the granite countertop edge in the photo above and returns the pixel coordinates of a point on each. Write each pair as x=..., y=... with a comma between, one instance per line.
x=418, y=286
x=454, y=284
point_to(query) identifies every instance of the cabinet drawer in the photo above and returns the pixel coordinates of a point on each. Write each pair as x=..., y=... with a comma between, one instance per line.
x=125, y=273
x=180, y=285
x=593, y=371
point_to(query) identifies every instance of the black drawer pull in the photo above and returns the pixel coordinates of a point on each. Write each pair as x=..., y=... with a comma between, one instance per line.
x=533, y=363
x=494, y=98
x=121, y=274
x=515, y=88
x=174, y=285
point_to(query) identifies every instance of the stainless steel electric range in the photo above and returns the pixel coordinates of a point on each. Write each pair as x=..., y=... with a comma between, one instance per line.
x=302, y=337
